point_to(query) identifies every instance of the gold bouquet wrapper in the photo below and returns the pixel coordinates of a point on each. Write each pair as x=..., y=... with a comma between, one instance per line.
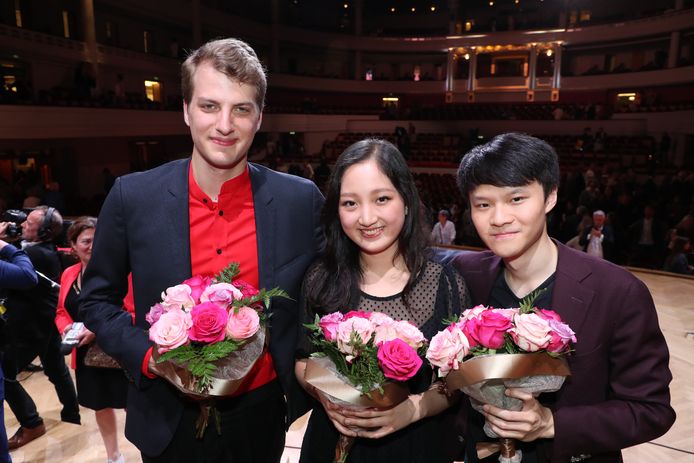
x=229, y=375
x=506, y=366
x=321, y=374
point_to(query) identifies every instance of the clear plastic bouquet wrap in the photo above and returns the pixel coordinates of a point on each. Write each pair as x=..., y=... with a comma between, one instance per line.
x=488, y=350
x=209, y=333
x=362, y=361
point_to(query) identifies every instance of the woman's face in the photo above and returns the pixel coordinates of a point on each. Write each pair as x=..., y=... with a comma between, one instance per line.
x=83, y=245
x=372, y=212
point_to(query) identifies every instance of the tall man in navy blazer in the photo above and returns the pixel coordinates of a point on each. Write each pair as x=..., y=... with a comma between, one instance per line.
x=618, y=393
x=199, y=214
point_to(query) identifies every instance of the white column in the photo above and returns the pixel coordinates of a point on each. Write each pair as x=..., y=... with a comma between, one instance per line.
x=532, y=68
x=88, y=24
x=556, y=76
x=472, y=73
x=450, y=74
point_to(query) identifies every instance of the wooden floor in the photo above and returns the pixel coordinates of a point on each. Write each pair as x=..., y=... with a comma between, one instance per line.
x=674, y=298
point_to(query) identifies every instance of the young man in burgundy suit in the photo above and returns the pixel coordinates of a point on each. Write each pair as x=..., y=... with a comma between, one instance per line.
x=195, y=216
x=617, y=395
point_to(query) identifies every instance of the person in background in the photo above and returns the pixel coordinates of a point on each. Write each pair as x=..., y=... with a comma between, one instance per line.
x=444, y=230
x=598, y=238
x=16, y=272
x=99, y=389
x=676, y=260
x=31, y=330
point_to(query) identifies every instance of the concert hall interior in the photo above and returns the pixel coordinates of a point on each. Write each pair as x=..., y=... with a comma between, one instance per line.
x=90, y=90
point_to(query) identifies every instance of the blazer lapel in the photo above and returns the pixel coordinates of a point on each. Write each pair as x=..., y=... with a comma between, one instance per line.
x=265, y=226
x=570, y=298
x=175, y=207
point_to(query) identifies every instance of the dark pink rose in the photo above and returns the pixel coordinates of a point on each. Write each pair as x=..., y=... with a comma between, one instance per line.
x=155, y=312
x=328, y=324
x=197, y=285
x=465, y=326
x=398, y=360
x=209, y=323
x=357, y=314
x=561, y=334
x=489, y=328
x=548, y=314
x=247, y=289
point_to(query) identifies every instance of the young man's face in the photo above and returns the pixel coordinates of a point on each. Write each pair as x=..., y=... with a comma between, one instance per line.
x=511, y=220
x=223, y=119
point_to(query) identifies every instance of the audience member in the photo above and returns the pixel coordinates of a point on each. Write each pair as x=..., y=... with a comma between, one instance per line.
x=444, y=230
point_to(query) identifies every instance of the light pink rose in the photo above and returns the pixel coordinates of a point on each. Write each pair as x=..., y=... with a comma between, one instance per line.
x=209, y=323
x=363, y=329
x=409, y=333
x=447, y=349
x=489, y=328
x=473, y=312
x=531, y=332
x=385, y=332
x=379, y=318
x=328, y=325
x=178, y=297
x=398, y=360
x=247, y=289
x=222, y=294
x=154, y=313
x=242, y=324
x=561, y=334
x=171, y=330
x=197, y=284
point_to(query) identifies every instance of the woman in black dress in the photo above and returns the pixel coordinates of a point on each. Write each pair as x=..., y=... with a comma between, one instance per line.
x=100, y=389
x=376, y=259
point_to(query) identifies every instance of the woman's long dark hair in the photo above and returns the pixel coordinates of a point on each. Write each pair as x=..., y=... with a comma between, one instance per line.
x=333, y=282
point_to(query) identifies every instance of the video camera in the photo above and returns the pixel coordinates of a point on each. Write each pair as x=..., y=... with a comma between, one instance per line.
x=16, y=218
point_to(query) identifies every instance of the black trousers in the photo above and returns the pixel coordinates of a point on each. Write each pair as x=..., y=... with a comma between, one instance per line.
x=252, y=431
x=17, y=357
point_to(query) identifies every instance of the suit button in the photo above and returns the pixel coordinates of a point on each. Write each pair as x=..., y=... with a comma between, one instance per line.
x=221, y=213
x=219, y=251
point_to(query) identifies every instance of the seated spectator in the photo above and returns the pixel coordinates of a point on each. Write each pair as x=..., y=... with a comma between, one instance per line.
x=676, y=260
x=444, y=230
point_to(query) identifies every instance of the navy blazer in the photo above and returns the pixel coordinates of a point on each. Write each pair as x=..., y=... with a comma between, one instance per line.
x=618, y=393
x=144, y=229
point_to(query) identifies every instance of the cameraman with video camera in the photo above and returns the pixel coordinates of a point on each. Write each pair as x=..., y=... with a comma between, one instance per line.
x=31, y=329
x=16, y=272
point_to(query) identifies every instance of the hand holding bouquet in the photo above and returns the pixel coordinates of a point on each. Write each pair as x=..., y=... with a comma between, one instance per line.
x=363, y=360
x=534, y=341
x=209, y=332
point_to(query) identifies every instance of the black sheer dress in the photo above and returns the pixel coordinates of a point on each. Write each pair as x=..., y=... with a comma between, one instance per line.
x=438, y=293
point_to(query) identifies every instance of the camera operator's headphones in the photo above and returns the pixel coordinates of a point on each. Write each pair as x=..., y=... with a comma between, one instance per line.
x=45, y=232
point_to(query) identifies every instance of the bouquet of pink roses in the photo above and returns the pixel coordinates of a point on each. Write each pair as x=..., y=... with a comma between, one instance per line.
x=363, y=360
x=534, y=341
x=209, y=332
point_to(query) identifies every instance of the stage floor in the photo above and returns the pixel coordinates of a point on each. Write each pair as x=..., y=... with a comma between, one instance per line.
x=674, y=299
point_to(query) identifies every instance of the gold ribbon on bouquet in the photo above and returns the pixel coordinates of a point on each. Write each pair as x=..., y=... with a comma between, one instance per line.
x=506, y=366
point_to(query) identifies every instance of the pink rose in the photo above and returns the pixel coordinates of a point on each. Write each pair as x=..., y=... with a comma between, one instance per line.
x=385, y=332
x=362, y=328
x=209, y=323
x=489, y=328
x=447, y=349
x=398, y=360
x=242, y=324
x=247, y=289
x=409, y=333
x=548, y=314
x=473, y=312
x=379, y=318
x=171, y=330
x=178, y=297
x=222, y=294
x=197, y=284
x=357, y=314
x=561, y=334
x=328, y=325
x=155, y=312
x=531, y=332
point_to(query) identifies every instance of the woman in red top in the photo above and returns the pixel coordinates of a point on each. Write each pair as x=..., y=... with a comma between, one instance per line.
x=100, y=389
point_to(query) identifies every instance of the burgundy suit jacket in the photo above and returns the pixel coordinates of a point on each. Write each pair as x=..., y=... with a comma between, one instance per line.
x=617, y=395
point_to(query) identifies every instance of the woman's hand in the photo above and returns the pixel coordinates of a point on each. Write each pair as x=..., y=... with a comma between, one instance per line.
x=85, y=337
x=376, y=423
x=337, y=414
